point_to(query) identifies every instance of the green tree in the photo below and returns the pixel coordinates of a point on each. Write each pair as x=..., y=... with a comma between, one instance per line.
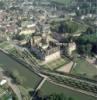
x=90, y=30
x=87, y=44
x=70, y=98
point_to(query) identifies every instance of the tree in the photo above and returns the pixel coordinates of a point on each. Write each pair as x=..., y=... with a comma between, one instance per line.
x=87, y=44
x=53, y=97
x=88, y=49
x=90, y=30
x=20, y=37
x=94, y=49
x=95, y=77
x=70, y=98
x=62, y=28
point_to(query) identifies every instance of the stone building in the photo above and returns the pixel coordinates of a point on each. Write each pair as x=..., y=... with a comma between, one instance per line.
x=45, y=48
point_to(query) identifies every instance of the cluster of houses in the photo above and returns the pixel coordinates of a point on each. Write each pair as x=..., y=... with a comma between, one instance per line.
x=30, y=18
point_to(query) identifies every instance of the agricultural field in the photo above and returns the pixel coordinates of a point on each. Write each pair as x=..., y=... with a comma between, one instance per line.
x=49, y=88
x=84, y=68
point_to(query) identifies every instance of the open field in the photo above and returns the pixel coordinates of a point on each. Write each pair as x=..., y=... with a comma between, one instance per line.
x=49, y=88
x=30, y=79
x=65, y=2
x=84, y=68
x=80, y=27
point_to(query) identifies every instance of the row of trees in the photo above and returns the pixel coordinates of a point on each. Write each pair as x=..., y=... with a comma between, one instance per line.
x=53, y=97
x=71, y=82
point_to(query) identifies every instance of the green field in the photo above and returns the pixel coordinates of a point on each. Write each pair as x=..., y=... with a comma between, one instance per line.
x=65, y=2
x=80, y=27
x=49, y=88
x=30, y=79
x=84, y=68
x=6, y=45
x=56, y=64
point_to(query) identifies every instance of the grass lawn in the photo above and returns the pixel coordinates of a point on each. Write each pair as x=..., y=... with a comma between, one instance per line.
x=65, y=2
x=84, y=68
x=49, y=88
x=80, y=27
x=30, y=79
x=6, y=45
x=56, y=64
x=3, y=44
